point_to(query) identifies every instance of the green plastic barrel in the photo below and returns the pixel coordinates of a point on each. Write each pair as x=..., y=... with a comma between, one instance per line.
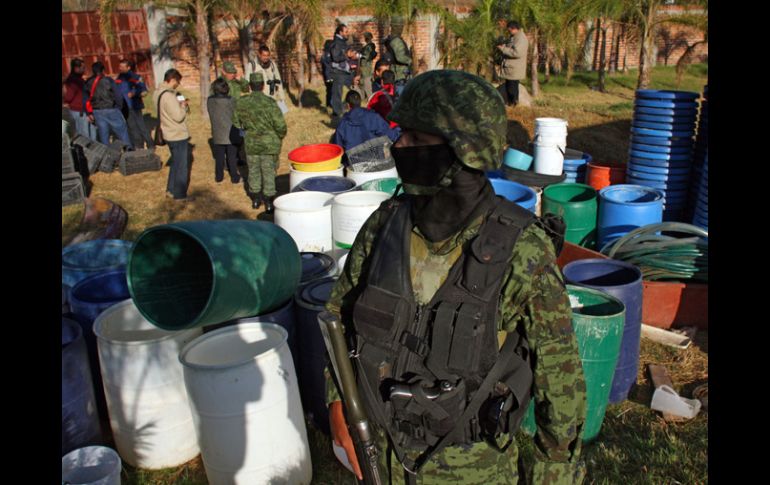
x=190, y=274
x=577, y=204
x=597, y=319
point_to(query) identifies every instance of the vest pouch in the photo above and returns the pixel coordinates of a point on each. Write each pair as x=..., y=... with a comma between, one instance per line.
x=466, y=340
x=380, y=315
x=424, y=419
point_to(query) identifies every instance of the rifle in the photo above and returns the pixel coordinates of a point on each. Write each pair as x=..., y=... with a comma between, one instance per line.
x=366, y=450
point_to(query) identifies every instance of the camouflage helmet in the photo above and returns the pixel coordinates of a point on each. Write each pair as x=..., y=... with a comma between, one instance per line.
x=464, y=109
x=229, y=67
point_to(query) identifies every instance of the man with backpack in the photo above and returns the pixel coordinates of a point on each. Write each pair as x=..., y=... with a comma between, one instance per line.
x=398, y=54
x=132, y=88
x=103, y=104
x=341, y=71
x=456, y=310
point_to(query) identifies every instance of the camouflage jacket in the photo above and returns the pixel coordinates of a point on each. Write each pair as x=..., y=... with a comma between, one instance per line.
x=402, y=59
x=534, y=295
x=263, y=121
x=238, y=87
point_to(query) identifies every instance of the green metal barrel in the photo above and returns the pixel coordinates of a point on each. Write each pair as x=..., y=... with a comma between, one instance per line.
x=597, y=319
x=190, y=274
x=577, y=204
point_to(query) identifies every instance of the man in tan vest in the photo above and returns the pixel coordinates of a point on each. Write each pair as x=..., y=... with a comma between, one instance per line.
x=273, y=86
x=514, y=67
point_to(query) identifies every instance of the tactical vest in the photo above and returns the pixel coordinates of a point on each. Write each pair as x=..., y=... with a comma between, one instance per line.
x=433, y=375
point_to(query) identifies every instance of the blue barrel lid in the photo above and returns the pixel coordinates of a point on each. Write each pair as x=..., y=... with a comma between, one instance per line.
x=315, y=295
x=315, y=266
x=328, y=184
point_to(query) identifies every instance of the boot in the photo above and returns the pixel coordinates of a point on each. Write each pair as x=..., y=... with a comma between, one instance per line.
x=269, y=204
x=256, y=200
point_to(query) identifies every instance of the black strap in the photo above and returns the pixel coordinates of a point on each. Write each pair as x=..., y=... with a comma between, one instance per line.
x=506, y=354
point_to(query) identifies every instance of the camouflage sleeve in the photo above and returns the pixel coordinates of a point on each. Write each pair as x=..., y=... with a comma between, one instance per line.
x=538, y=299
x=343, y=294
x=401, y=53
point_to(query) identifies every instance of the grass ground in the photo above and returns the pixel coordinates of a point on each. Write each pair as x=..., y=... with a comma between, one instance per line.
x=635, y=444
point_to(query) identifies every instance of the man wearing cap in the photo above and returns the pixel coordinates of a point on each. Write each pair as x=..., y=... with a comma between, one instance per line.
x=455, y=309
x=238, y=87
x=260, y=117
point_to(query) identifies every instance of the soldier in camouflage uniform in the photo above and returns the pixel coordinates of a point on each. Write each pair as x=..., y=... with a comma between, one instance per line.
x=459, y=112
x=238, y=87
x=398, y=52
x=261, y=119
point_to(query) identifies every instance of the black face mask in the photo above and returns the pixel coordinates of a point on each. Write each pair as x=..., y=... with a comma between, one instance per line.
x=423, y=165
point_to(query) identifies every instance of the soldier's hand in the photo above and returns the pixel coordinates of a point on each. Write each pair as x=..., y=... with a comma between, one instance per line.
x=341, y=435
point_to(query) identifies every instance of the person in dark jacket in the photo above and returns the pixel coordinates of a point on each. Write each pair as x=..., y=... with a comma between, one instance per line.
x=102, y=102
x=326, y=71
x=132, y=88
x=73, y=99
x=220, y=107
x=341, y=71
x=360, y=125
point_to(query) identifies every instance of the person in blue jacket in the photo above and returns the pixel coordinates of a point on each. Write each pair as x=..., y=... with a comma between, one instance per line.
x=132, y=88
x=359, y=125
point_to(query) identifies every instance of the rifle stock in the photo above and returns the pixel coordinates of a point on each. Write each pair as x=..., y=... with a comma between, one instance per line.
x=366, y=450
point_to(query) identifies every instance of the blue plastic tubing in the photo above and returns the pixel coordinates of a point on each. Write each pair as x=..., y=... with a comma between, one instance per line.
x=515, y=192
x=624, y=207
x=312, y=351
x=79, y=420
x=623, y=281
x=91, y=257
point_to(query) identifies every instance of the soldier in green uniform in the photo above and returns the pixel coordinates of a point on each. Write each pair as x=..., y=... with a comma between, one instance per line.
x=238, y=87
x=365, y=66
x=456, y=310
x=400, y=57
x=260, y=117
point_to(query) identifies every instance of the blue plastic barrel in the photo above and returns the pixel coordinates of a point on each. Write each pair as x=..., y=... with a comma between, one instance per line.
x=623, y=281
x=79, y=419
x=328, y=184
x=91, y=257
x=624, y=207
x=515, y=192
x=316, y=266
x=96, y=293
x=312, y=350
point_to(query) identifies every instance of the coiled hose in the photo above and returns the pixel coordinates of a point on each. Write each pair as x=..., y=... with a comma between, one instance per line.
x=662, y=257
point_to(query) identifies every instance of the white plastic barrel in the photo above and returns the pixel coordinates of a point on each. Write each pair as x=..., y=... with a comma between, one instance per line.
x=307, y=217
x=297, y=176
x=361, y=177
x=350, y=211
x=246, y=403
x=550, y=144
x=144, y=386
x=92, y=465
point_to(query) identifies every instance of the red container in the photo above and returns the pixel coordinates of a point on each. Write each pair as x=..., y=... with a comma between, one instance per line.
x=665, y=304
x=602, y=174
x=319, y=152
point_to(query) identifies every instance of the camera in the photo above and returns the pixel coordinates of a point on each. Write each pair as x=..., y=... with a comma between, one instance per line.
x=273, y=83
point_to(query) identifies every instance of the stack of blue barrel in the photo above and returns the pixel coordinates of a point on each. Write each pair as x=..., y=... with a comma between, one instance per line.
x=701, y=216
x=699, y=157
x=575, y=164
x=661, y=149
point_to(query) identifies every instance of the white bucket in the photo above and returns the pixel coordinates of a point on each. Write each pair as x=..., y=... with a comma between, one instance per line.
x=297, y=176
x=144, y=386
x=92, y=465
x=539, y=193
x=549, y=158
x=307, y=217
x=246, y=404
x=361, y=177
x=350, y=211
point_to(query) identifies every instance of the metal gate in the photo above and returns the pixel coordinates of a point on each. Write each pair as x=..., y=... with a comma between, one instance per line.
x=80, y=37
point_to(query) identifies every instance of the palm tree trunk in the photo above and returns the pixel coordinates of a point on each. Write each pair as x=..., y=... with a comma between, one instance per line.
x=301, y=62
x=313, y=57
x=624, y=35
x=215, y=53
x=597, y=43
x=614, y=50
x=602, y=60
x=244, y=44
x=202, y=33
x=533, y=64
x=645, y=57
x=547, y=63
